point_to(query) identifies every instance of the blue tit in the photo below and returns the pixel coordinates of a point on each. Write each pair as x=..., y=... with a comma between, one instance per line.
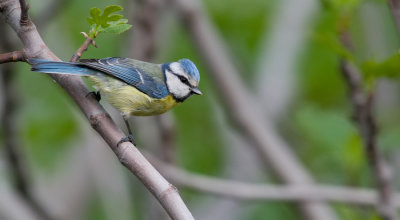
x=133, y=87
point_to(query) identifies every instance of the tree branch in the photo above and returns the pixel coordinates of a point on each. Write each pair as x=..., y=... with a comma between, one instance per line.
x=126, y=152
x=243, y=109
x=24, y=20
x=363, y=104
x=14, y=56
x=251, y=191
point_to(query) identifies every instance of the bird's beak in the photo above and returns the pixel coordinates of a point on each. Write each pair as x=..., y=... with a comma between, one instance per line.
x=197, y=91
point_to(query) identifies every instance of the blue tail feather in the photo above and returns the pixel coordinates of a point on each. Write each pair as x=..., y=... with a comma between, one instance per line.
x=48, y=66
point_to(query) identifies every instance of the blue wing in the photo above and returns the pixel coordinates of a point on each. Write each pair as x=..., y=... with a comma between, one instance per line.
x=130, y=72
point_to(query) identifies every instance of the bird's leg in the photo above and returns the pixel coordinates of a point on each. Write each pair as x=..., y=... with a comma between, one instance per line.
x=96, y=95
x=130, y=137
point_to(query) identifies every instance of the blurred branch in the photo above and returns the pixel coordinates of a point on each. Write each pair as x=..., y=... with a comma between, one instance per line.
x=144, y=47
x=362, y=102
x=167, y=129
x=244, y=110
x=395, y=10
x=147, y=19
x=50, y=12
x=14, y=153
x=14, y=207
x=278, y=58
x=99, y=119
x=251, y=191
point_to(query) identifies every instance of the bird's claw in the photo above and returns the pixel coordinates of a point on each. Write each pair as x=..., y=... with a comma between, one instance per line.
x=128, y=138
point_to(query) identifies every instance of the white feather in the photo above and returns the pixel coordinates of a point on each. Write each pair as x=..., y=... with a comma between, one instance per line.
x=175, y=86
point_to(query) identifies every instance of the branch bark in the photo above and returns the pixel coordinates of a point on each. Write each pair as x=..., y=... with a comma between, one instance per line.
x=14, y=56
x=127, y=153
x=244, y=110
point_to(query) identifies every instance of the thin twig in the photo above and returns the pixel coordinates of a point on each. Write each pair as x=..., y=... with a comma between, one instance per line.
x=77, y=55
x=126, y=152
x=14, y=56
x=243, y=109
x=363, y=104
x=252, y=191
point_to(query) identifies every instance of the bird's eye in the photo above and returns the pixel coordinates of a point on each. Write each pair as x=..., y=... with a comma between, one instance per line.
x=183, y=79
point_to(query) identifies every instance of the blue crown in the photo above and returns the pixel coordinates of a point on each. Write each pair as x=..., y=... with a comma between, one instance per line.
x=190, y=68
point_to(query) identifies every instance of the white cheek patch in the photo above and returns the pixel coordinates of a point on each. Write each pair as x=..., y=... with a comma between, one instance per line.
x=175, y=86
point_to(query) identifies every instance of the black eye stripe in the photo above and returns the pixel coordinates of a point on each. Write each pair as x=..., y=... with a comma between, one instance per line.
x=183, y=79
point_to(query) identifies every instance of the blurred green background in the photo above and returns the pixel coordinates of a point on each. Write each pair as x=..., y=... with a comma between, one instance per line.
x=314, y=113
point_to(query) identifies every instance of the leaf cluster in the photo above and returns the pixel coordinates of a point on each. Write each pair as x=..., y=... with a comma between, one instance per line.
x=107, y=22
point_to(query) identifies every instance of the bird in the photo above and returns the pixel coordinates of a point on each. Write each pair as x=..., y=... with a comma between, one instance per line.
x=134, y=87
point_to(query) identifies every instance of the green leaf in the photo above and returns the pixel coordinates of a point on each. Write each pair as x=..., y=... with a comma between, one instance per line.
x=389, y=68
x=95, y=13
x=114, y=18
x=120, y=21
x=117, y=29
x=111, y=9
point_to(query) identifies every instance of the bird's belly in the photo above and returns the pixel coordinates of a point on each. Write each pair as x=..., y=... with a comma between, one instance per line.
x=131, y=101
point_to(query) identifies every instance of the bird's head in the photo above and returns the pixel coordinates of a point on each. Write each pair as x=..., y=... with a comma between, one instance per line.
x=182, y=79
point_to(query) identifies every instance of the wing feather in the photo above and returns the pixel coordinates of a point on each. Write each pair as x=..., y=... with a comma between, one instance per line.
x=135, y=73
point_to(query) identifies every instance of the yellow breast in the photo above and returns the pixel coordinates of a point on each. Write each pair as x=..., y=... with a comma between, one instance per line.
x=129, y=100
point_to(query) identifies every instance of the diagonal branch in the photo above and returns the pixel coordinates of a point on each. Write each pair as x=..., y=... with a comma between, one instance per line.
x=99, y=119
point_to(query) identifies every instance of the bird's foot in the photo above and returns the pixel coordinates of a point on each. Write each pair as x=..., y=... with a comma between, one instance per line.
x=128, y=138
x=96, y=95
